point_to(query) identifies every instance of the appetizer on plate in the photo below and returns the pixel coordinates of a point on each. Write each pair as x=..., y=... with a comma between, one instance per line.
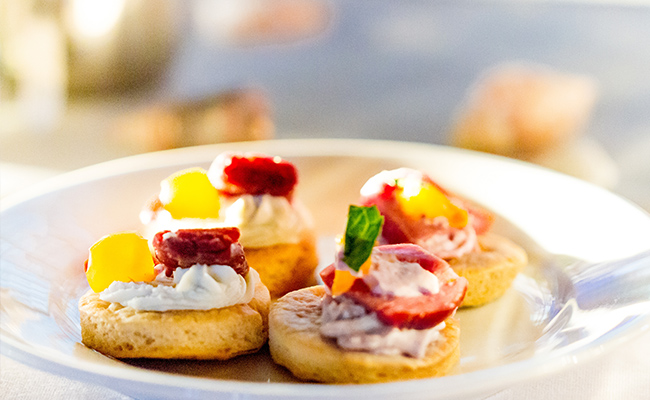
x=385, y=313
x=195, y=297
x=419, y=211
x=254, y=193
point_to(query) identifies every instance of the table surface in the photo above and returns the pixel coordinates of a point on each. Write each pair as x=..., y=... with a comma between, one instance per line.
x=385, y=73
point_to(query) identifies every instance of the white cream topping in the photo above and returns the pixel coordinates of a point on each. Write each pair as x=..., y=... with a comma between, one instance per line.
x=266, y=220
x=388, y=275
x=263, y=220
x=410, y=179
x=200, y=287
x=355, y=329
x=447, y=242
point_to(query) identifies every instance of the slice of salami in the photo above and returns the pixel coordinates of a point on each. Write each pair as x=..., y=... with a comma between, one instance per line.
x=416, y=312
x=411, y=253
x=186, y=247
x=419, y=312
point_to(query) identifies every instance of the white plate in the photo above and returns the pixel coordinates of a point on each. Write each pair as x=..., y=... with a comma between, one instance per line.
x=570, y=304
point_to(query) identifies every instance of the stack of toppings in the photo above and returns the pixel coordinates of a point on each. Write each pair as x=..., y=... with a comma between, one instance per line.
x=386, y=299
x=189, y=269
x=197, y=194
x=254, y=193
x=417, y=210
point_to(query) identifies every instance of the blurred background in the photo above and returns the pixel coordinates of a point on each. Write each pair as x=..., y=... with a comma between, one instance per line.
x=565, y=84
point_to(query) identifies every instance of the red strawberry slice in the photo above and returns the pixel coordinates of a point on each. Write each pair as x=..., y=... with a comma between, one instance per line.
x=186, y=247
x=417, y=312
x=255, y=174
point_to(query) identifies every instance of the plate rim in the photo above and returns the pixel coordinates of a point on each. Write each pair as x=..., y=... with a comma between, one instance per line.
x=455, y=385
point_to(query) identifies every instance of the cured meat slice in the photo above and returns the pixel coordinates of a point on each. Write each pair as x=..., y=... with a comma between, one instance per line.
x=418, y=312
x=186, y=247
x=413, y=312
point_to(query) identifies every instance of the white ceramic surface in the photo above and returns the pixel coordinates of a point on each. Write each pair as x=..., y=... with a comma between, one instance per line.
x=572, y=303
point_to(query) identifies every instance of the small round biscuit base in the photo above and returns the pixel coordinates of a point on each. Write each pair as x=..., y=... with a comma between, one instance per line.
x=124, y=332
x=285, y=267
x=491, y=271
x=295, y=343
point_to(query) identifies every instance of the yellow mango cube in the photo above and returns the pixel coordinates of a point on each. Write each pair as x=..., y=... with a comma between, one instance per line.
x=430, y=202
x=123, y=256
x=189, y=194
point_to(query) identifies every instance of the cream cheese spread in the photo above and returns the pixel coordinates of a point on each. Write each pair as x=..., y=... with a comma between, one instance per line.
x=263, y=220
x=355, y=329
x=387, y=275
x=200, y=287
x=266, y=220
x=447, y=242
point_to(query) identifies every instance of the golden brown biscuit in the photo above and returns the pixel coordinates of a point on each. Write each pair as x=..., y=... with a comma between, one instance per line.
x=124, y=332
x=296, y=343
x=285, y=267
x=491, y=271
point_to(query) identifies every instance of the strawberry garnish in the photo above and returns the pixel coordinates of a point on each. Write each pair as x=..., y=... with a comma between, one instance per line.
x=236, y=174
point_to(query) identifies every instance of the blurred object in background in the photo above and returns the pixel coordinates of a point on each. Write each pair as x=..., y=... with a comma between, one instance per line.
x=118, y=45
x=33, y=60
x=255, y=22
x=53, y=50
x=520, y=110
x=235, y=115
x=534, y=113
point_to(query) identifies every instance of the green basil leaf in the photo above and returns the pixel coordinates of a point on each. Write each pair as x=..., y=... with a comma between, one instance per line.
x=363, y=227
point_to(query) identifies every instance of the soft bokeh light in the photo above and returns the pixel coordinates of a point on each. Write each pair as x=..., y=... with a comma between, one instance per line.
x=95, y=18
